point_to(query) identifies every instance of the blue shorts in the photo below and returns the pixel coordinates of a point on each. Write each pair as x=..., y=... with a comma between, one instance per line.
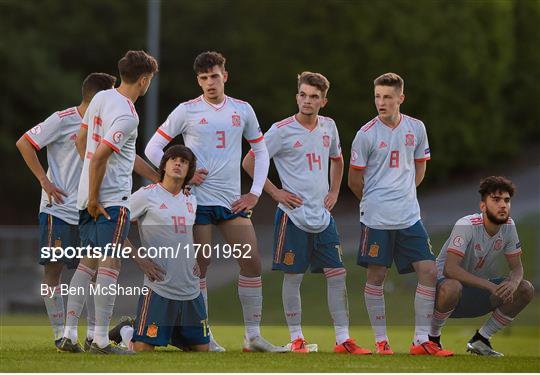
x=103, y=231
x=216, y=214
x=55, y=232
x=474, y=302
x=162, y=321
x=295, y=249
x=402, y=246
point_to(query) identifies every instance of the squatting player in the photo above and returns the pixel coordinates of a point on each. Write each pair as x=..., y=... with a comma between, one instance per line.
x=173, y=311
x=388, y=162
x=212, y=126
x=469, y=285
x=305, y=233
x=104, y=190
x=58, y=214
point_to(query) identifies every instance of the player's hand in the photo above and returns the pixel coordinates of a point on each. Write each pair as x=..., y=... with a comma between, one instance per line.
x=288, y=199
x=245, y=203
x=53, y=191
x=151, y=269
x=330, y=200
x=506, y=290
x=95, y=209
x=199, y=176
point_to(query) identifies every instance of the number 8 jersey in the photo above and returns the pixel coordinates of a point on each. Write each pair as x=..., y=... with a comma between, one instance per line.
x=214, y=134
x=387, y=156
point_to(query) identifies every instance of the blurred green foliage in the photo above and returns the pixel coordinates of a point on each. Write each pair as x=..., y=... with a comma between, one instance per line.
x=471, y=68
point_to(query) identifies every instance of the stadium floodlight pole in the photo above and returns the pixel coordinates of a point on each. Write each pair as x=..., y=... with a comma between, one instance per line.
x=152, y=97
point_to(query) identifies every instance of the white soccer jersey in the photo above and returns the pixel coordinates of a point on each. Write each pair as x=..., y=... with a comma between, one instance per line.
x=215, y=137
x=478, y=249
x=301, y=159
x=58, y=133
x=111, y=118
x=388, y=155
x=167, y=220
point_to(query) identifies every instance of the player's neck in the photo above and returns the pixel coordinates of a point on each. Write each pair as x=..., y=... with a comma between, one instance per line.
x=81, y=108
x=490, y=227
x=172, y=185
x=129, y=91
x=217, y=101
x=391, y=121
x=307, y=121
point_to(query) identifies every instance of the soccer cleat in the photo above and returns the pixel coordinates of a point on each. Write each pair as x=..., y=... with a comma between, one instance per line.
x=436, y=340
x=87, y=344
x=258, y=344
x=312, y=348
x=66, y=345
x=478, y=344
x=383, y=348
x=299, y=346
x=109, y=349
x=114, y=333
x=349, y=346
x=213, y=346
x=429, y=348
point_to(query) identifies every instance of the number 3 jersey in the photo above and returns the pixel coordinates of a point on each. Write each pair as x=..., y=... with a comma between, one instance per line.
x=166, y=220
x=387, y=156
x=301, y=159
x=214, y=134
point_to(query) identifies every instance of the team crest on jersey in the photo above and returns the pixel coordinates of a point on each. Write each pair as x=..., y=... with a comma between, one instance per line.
x=151, y=331
x=326, y=140
x=36, y=130
x=235, y=120
x=409, y=139
x=288, y=259
x=117, y=137
x=373, y=250
x=498, y=245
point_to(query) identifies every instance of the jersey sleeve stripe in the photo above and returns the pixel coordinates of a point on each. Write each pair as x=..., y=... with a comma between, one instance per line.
x=359, y=167
x=164, y=135
x=339, y=157
x=114, y=148
x=422, y=159
x=256, y=140
x=513, y=254
x=457, y=252
x=36, y=146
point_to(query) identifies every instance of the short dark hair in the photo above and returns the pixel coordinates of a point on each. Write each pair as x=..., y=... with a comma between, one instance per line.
x=314, y=79
x=135, y=64
x=493, y=184
x=95, y=82
x=205, y=61
x=176, y=151
x=390, y=79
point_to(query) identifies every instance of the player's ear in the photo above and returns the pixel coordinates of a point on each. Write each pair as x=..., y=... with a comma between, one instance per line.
x=225, y=76
x=324, y=101
x=401, y=98
x=483, y=206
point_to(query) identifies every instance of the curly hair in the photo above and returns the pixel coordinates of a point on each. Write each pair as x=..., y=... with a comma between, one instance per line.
x=175, y=152
x=493, y=184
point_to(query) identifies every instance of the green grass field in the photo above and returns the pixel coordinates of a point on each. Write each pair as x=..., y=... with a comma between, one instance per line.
x=26, y=340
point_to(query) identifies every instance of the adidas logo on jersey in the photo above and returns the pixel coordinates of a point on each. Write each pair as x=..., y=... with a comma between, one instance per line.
x=382, y=145
x=163, y=206
x=203, y=121
x=297, y=144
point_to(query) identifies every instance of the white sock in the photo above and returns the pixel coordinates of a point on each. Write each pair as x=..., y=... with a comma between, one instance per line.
x=75, y=302
x=424, y=304
x=126, y=332
x=438, y=321
x=250, y=293
x=495, y=323
x=374, y=298
x=292, y=303
x=104, y=305
x=90, y=317
x=337, y=302
x=55, y=310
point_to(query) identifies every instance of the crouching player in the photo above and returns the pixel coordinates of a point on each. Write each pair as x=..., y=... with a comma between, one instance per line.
x=173, y=311
x=468, y=287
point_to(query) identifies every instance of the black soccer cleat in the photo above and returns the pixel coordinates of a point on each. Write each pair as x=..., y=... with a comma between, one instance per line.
x=436, y=340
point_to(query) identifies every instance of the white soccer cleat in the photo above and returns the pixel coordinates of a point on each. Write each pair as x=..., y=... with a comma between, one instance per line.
x=312, y=348
x=259, y=344
x=213, y=346
x=481, y=346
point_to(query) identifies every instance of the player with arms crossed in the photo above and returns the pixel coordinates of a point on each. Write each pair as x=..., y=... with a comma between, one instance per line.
x=469, y=285
x=305, y=233
x=212, y=126
x=388, y=162
x=58, y=214
x=173, y=311
x=105, y=187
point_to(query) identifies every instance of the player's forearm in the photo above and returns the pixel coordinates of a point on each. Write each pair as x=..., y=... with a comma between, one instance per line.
x=336, y=174
x=96, y=174
x=143, y=169
x=458, y=273
x=420, y=169
x=29, y=155
x=516, y=274
x=356, y=183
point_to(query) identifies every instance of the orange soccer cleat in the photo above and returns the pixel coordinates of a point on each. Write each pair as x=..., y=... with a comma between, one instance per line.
x=349, y=346
x=383, y=348
x=299, y=346
x=430, y=348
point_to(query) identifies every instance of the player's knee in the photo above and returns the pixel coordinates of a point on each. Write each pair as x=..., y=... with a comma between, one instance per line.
x=449, y=290
x=429, y=271
x=376, y=275
x=525, y=291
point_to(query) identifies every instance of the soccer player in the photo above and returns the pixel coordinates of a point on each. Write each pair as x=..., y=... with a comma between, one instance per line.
x=212, y=126
x=173, y=311
x=469, y=285
x=58, y=214
x=305, y=233
x=104, y=190
x=388, y=162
